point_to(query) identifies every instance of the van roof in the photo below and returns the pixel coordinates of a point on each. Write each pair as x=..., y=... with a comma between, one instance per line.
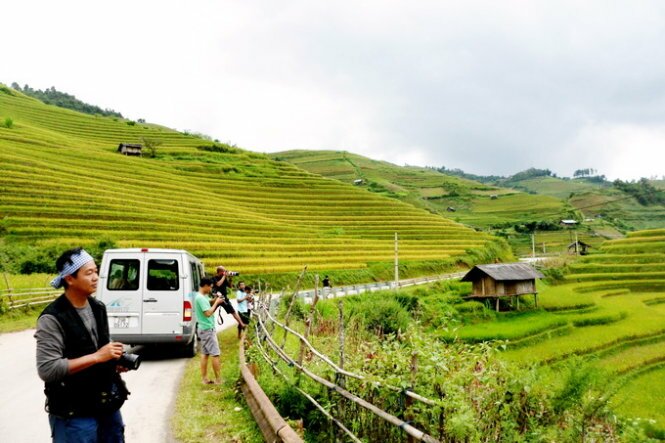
x=148, y=250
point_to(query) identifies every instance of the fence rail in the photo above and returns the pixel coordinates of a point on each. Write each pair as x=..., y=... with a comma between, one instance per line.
x=267, y=345
x=19, y=298
x=273, y=427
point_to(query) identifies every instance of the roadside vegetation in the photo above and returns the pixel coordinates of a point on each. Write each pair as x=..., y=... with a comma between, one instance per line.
x=395, y=339
x=214, y=413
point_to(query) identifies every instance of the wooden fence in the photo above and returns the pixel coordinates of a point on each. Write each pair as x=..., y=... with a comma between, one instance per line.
x=269, y=349
x=19, y=298
x=273, y=427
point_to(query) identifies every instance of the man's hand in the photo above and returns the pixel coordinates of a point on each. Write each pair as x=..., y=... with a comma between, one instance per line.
x=110, y=351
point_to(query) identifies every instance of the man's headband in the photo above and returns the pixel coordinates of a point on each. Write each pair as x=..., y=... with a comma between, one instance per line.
x=77, y=260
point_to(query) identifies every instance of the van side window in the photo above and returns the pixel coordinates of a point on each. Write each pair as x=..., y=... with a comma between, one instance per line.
x=163, y=275
x=196, y=276
x=124, y=275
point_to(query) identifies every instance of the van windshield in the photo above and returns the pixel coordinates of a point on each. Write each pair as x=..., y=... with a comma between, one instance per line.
x=163, y=275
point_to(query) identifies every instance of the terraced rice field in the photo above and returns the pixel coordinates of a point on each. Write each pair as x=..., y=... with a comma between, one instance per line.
x=62, y=182
x=614, y=307
x=610, y=312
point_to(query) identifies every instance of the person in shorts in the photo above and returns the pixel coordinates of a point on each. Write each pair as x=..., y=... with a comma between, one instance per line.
x=206, y=330
x=220, y=288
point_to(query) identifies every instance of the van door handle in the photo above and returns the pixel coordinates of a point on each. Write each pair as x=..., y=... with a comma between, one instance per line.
x=149, y=300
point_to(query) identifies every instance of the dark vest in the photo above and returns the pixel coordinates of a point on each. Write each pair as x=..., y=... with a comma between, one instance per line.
x=78, y=394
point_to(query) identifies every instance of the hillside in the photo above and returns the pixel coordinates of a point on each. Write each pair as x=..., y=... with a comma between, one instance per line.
x=608, y=312
x=598, y=199
x=503, y=211
x=63, y=183
x=474, y=203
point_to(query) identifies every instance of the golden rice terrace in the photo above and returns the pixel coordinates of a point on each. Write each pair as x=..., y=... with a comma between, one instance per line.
x=62, y=182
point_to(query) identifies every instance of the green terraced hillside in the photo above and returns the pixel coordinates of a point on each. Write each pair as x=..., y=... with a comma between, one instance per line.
x=475, y=204
x=62, y=182
x=611, y=312
x=593, y=199
x=555, y=187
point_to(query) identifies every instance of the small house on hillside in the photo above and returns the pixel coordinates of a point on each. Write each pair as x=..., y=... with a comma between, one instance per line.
x=578, y=247
x=358, y=181
x=503, y=280
x=569, y=223
x=130, y=149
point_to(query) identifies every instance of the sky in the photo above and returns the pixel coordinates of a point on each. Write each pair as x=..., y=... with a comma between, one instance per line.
x=489, y=87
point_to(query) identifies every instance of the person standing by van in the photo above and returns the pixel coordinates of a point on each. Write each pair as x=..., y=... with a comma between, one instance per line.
x=77, y=360
x=220, y=288
x=206, y=330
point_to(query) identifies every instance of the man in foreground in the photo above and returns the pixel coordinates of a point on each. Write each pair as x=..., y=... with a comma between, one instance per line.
x=206, y=330
x=77, y=360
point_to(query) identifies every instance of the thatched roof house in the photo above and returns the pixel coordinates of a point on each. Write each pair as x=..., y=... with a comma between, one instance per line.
x=130, y=148
x=503, y=280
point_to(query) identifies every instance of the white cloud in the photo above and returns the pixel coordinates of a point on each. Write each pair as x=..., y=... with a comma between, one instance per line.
x=489, y=87
x=627, y=151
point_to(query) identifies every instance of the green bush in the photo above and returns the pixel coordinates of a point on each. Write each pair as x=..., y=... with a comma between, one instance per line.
x=9, y=123
x=381, y=314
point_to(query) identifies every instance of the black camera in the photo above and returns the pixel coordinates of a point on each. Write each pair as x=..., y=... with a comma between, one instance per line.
x=232, y=273
x=129, y=361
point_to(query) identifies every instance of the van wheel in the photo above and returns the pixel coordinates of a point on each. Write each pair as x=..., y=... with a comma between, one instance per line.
x=189, y=350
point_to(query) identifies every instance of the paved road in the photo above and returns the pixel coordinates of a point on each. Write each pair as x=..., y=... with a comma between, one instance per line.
x=147, y=412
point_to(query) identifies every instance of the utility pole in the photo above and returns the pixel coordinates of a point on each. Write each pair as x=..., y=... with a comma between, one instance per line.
x=577, y=251
x=396, y=262
x=533, y=245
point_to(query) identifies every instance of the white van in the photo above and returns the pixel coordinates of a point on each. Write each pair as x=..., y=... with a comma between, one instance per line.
x=148, y=296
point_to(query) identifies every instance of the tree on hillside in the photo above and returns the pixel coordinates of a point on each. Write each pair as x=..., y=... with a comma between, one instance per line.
x=643, y=191
x=588, y=172
x=530, y=173
x=150, y=145
x=52, y=96
x=459, y=173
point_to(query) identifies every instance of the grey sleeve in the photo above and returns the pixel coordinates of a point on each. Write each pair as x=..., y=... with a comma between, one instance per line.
x=51, y=362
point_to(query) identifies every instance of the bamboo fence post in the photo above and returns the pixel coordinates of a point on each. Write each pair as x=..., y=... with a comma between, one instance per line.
x=409, y=400
x=308, y=325
x=9, y=289
x=340, y=379
x=293, y=301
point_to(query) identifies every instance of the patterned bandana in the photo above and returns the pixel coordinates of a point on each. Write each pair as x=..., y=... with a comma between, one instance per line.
x=78, y=260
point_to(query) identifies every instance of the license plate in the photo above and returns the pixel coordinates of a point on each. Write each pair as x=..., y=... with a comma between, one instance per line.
x=125, y=322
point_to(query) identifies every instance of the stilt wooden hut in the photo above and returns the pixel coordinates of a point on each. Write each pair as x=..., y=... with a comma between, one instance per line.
x=503, y=280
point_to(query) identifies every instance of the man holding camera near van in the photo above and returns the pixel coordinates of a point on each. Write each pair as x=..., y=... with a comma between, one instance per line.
x=77, y=359
x=206, y=330
x=220, y=288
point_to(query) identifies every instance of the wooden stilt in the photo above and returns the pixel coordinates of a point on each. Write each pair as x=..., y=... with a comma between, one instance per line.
x=497, y=304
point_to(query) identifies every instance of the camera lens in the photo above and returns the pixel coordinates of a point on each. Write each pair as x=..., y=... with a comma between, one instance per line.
x=130, y=361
